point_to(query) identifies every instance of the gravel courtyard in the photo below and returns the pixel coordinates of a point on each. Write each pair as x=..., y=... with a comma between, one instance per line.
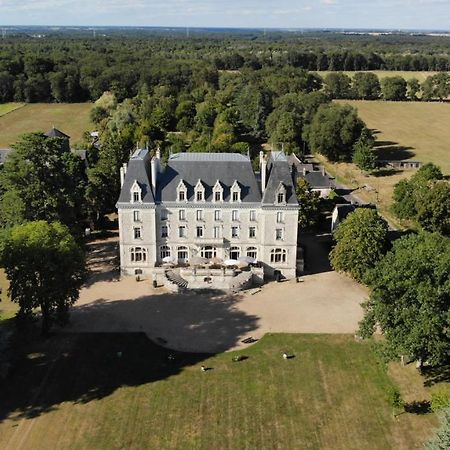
x=324, y=302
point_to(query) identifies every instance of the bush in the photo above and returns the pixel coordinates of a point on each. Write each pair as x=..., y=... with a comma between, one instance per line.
x=440, y=400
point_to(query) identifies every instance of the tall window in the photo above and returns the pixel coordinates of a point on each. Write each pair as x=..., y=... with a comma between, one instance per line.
x=235, y=192
x=235, y=253
x=182, y=214
x=164, y=214
x=182, y=232
x=234, y=232
x=278, y=255
x=199, y=196
x=217, y=215
x=280, y=218
x=164, y=231
x=217, y=196
x=182, y=191
x=218, y=192
x=252, y=232
x=136, y=197
x=183, y=254
x=235, y=196
x=234, y=215
x=164, y=251
x=216, y=232
x=208, y=252
x=252, y=252
x=252, y=215
x=138, y=254
x=199, y=232
x=199, y=191
x=279, y=234
x=199, y=214
x=280, y=197
x=181, y=196
x=137, y=216
x=137, y=233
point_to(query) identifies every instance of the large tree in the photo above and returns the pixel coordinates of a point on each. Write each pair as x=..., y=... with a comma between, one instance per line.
x=42, y=180
x=309, y=204
x=394, y=88
x=433, y=212
x=361, y=241
x=410, y=298
x=364, y=155
x=45, y=268
x=334, y=131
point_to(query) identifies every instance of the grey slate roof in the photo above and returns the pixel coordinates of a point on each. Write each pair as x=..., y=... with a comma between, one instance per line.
x=138, y=170
x=54, y=132
x=208, y=167
x=316, y=179
x=279, y=171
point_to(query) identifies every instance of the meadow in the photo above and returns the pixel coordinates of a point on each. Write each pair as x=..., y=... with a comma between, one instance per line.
x=115, y=391
x=16, y=119
x=404, y=130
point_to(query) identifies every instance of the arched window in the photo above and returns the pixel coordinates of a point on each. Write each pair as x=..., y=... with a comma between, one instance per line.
x=278, y=255
x=235, y=253
x=138, y=254
x=164, y=251
x=252, y=252
x=183, y=254
x=208, y=252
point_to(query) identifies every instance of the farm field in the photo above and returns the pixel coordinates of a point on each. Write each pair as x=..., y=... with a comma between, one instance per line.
x=404, y=130
x=74, y=391
x=6, y=108
x=421, y=76
x=71, y=118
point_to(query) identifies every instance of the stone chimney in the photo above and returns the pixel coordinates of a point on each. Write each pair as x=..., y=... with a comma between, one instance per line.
x=154, y=169
x=123, y=172
x=263, y=163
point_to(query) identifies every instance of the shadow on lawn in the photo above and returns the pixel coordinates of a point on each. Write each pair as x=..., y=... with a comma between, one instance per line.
x=82, y=367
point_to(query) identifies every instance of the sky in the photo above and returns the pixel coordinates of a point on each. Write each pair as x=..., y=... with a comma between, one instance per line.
x=391, y=14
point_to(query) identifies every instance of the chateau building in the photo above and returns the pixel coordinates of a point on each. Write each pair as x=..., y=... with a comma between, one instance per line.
x=208, y=205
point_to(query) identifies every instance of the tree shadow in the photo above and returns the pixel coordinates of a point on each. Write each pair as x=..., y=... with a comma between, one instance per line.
x=385, y=172
x=418, y=407
x=434, y=375
x=91, y=359
x=103, y=261
x=394, y=152
x=316, y=250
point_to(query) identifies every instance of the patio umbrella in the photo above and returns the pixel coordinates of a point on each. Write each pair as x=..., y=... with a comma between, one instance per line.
x=198, y=261
x=247, y=259
x=231, y=262
x=168, y=259
x=216, y=261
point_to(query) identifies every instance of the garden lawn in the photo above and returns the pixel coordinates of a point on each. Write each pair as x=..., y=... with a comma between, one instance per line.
x=116, y=391
x=71, y=118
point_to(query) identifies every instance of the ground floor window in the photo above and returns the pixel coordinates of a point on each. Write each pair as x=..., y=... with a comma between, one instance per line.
x=235, y=253
x=208, y=252
x=183, y=254
x=252, y=252
x=165, y=251
x=138, y=254
x=278, y=255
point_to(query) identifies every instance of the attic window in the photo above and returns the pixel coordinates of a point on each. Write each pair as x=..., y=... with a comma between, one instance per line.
x=218, y=192
x=235, y=192
x=136, y=193
x=199, y=192
x=281, y=194
x=182, y=192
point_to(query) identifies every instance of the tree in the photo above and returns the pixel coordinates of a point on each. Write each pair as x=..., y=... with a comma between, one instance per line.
x=410, y=298
x=364, y=155
x=413, y=89
x=338, y=85
x=42, y=180
x=393, y=88
x=441, y=438
x=309, y=203
x=361, y=242
x=334, y=131
x=433, y=213
x=366, y=86
x=45, y=269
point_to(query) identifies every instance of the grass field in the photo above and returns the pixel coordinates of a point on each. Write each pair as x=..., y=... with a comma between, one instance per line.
x=421, y=76
x=72, y=119
x=6, y=108
x=404, y=130
x=75, y=392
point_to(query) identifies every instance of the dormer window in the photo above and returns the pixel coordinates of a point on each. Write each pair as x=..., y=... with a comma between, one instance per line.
x=181, y=191
x=235, y=192
x=199, y=192
x=136, y=193
x=218, y=192
x=281, y=194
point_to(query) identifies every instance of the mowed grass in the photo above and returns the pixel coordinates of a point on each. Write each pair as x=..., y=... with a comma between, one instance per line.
x=421, y=76
x=71, y=118
x=6, y=108
x=76, y=392
x=404, y=130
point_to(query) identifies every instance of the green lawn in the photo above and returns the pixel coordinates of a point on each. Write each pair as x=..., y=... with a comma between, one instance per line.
x=71, y=118
x=6, y=108
x=75, y=392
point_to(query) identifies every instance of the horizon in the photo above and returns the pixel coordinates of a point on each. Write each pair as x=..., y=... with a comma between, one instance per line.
x=401, y=15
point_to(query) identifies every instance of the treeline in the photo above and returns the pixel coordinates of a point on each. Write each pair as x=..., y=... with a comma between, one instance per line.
x=63, y=69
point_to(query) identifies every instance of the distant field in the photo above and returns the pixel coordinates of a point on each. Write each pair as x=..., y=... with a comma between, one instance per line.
x=421, y=76
x=5, y=108
x=404, y=130
x=72, y=119
x=74, y=392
